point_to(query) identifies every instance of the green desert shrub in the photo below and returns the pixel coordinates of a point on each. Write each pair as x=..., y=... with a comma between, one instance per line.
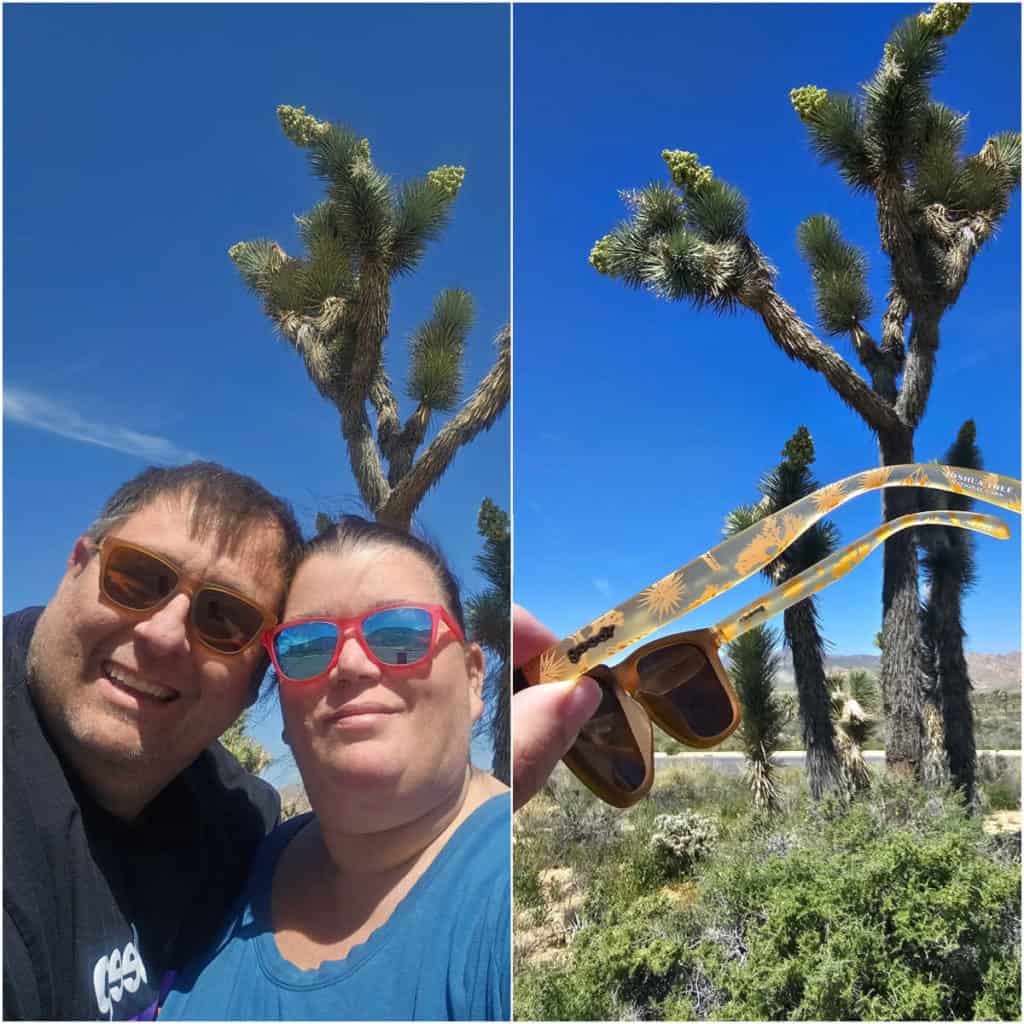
x=894, y=910
x=682, y=840
x=620, y=968
x=999, y=782
x=898, y=907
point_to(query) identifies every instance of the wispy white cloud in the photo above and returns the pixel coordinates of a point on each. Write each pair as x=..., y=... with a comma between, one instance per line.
x=56, y=417
x=602, y=585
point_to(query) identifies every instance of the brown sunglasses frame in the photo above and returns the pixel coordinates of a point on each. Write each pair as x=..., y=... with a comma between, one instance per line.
x=623, y=680
x=705, y=640
x=187, y=584
x=639, y=722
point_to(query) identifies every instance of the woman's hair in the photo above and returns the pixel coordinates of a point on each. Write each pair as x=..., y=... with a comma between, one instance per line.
x=357, y=532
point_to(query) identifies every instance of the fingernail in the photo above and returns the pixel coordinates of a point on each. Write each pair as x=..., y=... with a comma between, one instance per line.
x=582, y=700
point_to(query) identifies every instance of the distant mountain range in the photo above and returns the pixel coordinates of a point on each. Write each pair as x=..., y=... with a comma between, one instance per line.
x=988, y=671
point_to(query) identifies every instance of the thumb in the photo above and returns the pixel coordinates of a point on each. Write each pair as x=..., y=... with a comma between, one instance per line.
x=545, y=721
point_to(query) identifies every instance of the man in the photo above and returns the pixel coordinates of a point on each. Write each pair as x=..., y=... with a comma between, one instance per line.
x=128, y=830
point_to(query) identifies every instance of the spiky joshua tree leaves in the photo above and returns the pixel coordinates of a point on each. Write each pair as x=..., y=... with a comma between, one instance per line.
x=249, y=752
x=789, y=481
x=488, y=616
x=332, y=304
x=753, y=663
x=950, y=572
x=936, y=207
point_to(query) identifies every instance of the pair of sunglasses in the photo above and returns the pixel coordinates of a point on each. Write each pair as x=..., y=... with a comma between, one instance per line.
x=402, y=636
x=140, y=581
x=694, y=701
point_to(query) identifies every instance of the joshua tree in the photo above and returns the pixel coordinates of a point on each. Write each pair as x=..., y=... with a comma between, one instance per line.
x=786, y=483
x=489, y=620
x=855, y=706
x=936, y=208
x=250, y=753
x=950, y=571
x=333, y=305
x=753, y=662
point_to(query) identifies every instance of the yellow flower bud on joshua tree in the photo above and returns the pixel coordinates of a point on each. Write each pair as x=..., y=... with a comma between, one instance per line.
x=807, y=99
x=599, y=256
x=686, y=169
x=301, y=128
x=447, y=179
x=945, y=19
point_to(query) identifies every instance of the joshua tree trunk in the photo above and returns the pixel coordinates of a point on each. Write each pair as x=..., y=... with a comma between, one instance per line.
x=901, y=613
x=824, y=768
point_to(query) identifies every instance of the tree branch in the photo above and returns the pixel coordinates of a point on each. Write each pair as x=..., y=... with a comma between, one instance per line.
x=796, y=339
x=383, y=399
x=362, y=451
x=920, y=366
x=406, y=443
x=479, y=413
x=897, y=236
x=371, y=326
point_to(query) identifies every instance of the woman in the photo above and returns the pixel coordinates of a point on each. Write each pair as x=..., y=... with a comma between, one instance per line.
x=391, y=901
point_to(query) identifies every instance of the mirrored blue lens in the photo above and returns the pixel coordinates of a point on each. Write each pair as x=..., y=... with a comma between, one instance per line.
x=398, y=636
x=305, y=650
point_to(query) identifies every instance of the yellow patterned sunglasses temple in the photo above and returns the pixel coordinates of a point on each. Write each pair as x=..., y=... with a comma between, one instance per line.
x=680, y=683
x=739, y=557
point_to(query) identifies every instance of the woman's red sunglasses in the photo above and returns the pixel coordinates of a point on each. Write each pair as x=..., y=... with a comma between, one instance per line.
x=400, y=636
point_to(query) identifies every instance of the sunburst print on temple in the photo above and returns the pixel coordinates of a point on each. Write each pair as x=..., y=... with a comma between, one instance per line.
x=744, y=554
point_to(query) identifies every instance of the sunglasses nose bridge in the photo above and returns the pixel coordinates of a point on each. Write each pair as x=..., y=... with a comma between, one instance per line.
x=165, y=627
x=350, y=655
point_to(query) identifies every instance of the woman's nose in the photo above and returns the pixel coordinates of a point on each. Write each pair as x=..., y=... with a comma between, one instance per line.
x=353, y=662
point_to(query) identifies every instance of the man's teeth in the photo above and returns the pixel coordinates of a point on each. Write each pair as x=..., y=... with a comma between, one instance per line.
x=141, y=686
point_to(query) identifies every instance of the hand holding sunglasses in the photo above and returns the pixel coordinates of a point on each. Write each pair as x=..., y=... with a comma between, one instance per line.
x=679, y=681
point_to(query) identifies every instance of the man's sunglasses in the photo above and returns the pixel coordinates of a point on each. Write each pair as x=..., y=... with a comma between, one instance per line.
x=403, y=636
x=140, y=581
x=699, y=708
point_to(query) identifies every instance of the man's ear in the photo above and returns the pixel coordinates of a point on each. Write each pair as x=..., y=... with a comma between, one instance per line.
x=476, y=667
x=81, y=553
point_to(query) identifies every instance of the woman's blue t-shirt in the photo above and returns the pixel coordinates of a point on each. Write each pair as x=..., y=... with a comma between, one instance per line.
x=444, y=954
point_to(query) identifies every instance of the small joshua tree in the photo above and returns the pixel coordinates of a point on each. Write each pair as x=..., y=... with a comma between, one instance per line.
x=936, y=208
x=856, y=704
x=790, y=481
x=333, y=306
x=488, y=616
x=753, y=661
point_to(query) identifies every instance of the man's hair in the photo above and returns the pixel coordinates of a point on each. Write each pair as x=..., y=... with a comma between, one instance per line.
x=356, y=532
x=222, y=506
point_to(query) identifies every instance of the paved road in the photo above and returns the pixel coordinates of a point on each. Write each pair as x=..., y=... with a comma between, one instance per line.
x=733, y=761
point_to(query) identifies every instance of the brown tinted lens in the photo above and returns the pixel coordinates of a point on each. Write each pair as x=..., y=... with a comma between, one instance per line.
x=606, y=749
x=679, y=684
x=136, y=580
x=225, y=622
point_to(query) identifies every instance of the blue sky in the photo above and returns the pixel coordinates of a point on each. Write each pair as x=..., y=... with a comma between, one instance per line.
x=639, y=423
x=140, y=142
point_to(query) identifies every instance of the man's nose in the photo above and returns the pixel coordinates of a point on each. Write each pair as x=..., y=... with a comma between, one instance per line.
x=165, y=631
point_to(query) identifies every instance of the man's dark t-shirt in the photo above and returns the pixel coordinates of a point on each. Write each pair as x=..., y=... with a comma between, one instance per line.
x=97, y=910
